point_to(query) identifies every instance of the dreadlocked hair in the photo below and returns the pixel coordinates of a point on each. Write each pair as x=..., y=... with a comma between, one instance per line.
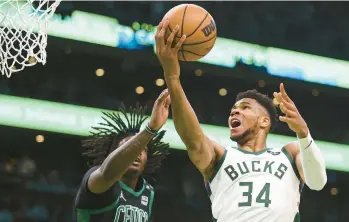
x=265, y=101
x=117, y=126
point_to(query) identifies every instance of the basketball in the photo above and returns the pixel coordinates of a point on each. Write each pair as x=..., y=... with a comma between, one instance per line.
x=198, y=26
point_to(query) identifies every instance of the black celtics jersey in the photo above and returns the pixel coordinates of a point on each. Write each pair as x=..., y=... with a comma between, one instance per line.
x=118, y=204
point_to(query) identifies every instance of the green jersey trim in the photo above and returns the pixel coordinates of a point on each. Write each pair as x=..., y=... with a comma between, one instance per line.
x=151, y=203
x=253, y=153
x=128, y=189
x=218, y=166
x=293, y=164
x=83, y=215
x=297, y=218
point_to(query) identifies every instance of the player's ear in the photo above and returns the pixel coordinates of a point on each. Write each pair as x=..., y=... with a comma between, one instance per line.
x=265, y=122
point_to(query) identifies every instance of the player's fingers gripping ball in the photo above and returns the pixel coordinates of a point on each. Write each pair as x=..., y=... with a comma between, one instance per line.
x=198, y=26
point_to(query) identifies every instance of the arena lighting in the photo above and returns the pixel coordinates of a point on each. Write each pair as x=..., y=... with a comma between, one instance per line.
x=40, y=138
x=136, y=26
x=160, y=82
x=315, y=92
x=222, y=92
x=31, y=60
x=77, y=120
x=261, y=83
x=139, y=89
x=100, y=72
x=334, y=191
x=198, y=72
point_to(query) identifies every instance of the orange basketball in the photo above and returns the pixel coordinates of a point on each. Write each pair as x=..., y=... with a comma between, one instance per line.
x=198, y=26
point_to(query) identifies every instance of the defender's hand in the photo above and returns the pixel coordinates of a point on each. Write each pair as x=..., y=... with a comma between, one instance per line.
x=168, y=55
x=160, y=111
x=293, y=118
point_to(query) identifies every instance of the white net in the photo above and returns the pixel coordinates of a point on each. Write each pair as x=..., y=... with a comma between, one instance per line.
x=23, y=33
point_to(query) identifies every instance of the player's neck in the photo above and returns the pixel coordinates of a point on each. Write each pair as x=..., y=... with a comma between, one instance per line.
x=130, y=181
x=254, y=144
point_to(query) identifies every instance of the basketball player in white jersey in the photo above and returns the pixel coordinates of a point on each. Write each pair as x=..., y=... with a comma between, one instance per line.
x=250, y=183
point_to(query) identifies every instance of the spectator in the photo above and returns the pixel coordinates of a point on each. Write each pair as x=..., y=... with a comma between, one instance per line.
x=26, y=166
x=38, y=212
x=5, y=214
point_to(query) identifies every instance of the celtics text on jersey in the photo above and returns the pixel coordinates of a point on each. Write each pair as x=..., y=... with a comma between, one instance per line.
x=118, y=204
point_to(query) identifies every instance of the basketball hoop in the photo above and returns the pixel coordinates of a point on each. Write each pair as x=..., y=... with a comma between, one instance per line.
x=23, y=33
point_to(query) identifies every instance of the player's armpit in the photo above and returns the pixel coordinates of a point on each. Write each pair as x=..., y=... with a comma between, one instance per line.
x=310, y=163
x=86, y=199
x=206, y=156
x=219, y=153
x=294, y=151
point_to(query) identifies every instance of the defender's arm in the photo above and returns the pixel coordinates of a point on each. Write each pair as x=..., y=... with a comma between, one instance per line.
x=117, y=163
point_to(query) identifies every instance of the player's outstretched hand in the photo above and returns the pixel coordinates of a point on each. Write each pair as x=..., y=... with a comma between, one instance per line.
x=167, y=51
x=292, y=117
x=160, y=111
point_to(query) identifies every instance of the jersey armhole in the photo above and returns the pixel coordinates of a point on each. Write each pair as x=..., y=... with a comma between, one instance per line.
x=293, y=164
x=86, y=178
x=218, y=166
x=151, y=203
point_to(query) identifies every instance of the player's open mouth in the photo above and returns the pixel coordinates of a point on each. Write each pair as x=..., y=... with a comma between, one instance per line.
x=136, y=162
x=235, y=123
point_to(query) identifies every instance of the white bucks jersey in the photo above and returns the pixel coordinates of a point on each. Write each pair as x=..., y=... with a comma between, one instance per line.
x=255, y=187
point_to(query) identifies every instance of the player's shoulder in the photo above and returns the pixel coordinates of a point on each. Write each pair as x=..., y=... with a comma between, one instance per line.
x=86, y=177
x=292, y=148
x=147, y=185
x=91, y=170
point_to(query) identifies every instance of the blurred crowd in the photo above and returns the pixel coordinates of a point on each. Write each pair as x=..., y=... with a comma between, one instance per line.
x=31, y=194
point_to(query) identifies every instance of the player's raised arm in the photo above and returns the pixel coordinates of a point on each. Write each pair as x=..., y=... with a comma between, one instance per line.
x=117, y=162
x=202, y=151
x=309, y=160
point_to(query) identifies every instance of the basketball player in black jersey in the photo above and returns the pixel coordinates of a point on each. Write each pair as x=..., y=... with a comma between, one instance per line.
x=115, y=188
